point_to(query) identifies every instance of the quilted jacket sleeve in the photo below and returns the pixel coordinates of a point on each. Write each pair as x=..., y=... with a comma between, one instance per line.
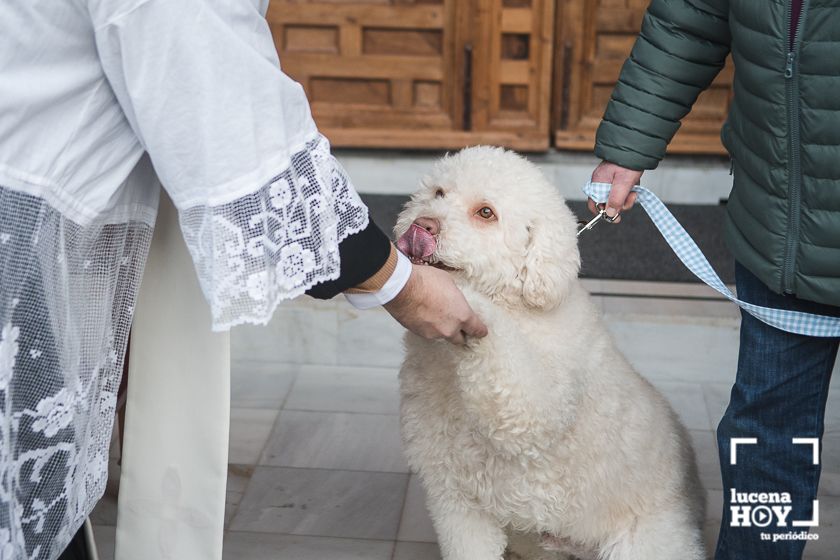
x=682, y=46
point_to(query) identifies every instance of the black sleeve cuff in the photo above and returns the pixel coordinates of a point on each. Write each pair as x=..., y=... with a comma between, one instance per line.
x=362, y=255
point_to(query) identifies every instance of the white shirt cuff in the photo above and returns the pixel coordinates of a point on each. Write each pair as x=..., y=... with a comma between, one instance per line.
x=389, y=291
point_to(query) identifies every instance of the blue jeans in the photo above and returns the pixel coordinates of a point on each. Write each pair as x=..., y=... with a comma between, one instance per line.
x=780, y=393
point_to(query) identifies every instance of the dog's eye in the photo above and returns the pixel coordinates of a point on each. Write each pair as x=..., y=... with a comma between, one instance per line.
x=439, y=193
x=486, y=213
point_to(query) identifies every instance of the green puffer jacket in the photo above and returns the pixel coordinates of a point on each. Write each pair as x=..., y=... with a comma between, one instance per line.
x=783, y=130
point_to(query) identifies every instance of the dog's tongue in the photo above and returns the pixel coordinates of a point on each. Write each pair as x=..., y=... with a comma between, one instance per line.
x=417, y=243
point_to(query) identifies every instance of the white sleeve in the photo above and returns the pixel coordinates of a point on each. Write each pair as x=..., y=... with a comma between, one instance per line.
x=263, y=204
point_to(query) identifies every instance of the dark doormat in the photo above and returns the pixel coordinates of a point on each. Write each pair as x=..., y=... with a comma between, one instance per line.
x=632, y=250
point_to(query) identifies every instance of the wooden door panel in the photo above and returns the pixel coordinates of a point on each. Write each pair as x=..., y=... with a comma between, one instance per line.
x=513, y=41
x=399, y=72
x=368, y=64
x=594, y=38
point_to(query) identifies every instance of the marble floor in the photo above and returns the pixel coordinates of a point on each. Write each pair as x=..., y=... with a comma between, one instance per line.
x=316, y=471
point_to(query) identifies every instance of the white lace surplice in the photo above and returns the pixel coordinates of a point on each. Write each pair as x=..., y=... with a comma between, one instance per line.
x=277, y=242
x=66, y=298
x=90, y=86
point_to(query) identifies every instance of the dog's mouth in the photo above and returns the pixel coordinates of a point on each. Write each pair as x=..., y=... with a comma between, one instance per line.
x=419, y=245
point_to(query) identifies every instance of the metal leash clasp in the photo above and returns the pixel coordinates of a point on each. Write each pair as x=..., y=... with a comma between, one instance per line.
x=601, y=215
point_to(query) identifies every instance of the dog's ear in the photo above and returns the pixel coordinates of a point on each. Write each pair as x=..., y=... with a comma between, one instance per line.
x=552, y=262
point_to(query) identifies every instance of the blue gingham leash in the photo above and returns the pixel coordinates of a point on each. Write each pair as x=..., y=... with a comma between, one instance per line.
x=693, y=258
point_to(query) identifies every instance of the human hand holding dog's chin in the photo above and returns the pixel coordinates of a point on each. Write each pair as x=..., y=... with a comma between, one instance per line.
x=622, y=180
x=431, y=305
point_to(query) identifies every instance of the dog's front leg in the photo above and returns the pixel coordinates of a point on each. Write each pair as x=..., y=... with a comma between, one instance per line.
x=467, y=534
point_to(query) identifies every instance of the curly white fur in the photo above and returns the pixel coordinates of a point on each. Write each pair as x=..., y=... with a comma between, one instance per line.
x=542, y=427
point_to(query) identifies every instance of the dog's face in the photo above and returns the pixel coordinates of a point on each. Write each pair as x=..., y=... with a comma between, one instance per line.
x=492, y=219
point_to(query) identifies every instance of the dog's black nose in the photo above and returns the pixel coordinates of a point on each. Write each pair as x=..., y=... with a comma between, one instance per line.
x=429, y=224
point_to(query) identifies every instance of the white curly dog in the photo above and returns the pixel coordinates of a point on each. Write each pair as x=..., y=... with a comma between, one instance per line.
x=542, y=429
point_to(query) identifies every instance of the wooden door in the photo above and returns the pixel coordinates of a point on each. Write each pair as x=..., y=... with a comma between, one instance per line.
x=594, y=37
x=421, y=73
x=511, y=43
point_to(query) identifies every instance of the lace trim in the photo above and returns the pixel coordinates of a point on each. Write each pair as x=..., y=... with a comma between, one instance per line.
x=277, y=242
x=67, y=295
